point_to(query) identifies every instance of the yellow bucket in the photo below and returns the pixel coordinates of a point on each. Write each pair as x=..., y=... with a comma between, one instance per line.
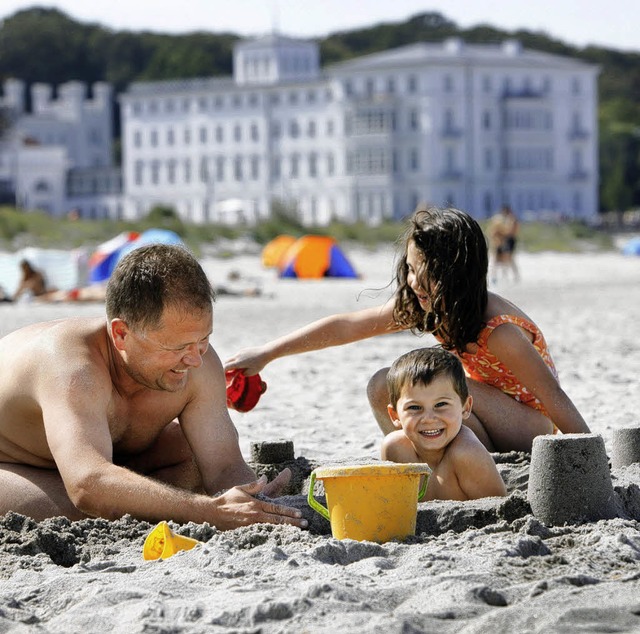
x=371, y=502
x=162, y=542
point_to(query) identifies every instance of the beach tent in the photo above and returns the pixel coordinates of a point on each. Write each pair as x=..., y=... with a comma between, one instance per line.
x=103, y=260
x=632, y=247
x=275, y=249
x=314, y=257
x=150, y=236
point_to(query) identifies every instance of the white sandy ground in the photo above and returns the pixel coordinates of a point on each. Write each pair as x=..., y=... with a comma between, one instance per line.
x=477, y=567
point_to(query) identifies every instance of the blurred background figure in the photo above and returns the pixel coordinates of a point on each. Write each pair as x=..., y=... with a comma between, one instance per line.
x=32, y=283
x=503, y=232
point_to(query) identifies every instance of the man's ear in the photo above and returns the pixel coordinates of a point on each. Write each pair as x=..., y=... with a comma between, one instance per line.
x=393, y=415
x=119, y=331
x=466, y=408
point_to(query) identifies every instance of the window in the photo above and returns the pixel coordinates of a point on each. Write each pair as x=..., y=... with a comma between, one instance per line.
x=204, y=170
x=275, y=168
x=486, y=120
x=237, y=133
x=294, y=129
x=137, y=139
x=220, y=168
x=311, y=129
x=155, y=172
x=187, y=136
x=254, y=132
x=276, y=130
x=448, y=83
x=313, y=164
x=171, y=171
x=331, y=165
x=170, y=136
x=412, y=84
x=414, y=160
x=391, y=85
x=295, y=166
x=414, y=121
x=203, y=134
x=237, y=168
x=154, y=138
x=138, y=172
x=255, y=167
x=187, y=170
x=330, y=127
x=219, y=134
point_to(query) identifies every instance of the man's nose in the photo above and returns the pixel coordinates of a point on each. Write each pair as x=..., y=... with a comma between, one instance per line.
x=193, y=357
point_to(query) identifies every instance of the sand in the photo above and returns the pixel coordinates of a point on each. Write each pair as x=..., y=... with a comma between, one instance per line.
x=483, y=566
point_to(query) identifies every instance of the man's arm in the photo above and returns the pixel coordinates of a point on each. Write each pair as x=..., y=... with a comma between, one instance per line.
x=74, y=412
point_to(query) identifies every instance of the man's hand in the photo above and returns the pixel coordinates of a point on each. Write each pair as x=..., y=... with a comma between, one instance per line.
x=237, y=507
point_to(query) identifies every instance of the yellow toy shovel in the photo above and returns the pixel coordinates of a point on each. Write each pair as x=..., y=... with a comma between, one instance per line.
x=162, y=542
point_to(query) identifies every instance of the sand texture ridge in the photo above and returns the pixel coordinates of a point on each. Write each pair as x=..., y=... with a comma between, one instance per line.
x=483, y=566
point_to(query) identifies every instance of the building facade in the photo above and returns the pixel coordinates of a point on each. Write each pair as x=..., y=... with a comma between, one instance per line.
x=474, y=126
x=54, y=143
x=450, y=123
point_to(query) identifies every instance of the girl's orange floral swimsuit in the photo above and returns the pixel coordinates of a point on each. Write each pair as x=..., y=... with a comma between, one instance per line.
x=485, y=367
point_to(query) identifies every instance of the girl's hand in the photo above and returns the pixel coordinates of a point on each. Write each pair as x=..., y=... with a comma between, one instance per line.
x=250, y=360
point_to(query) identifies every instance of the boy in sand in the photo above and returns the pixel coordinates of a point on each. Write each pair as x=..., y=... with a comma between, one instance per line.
x=128, y=415
x=429, y=401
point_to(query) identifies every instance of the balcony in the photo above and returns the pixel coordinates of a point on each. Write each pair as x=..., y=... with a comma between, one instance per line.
x=578, y=134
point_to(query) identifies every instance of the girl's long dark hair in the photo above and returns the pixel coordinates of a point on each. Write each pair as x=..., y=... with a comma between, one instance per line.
x=453, y=275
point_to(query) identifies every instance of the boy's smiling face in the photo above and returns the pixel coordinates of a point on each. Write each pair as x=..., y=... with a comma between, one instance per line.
x=430, y=415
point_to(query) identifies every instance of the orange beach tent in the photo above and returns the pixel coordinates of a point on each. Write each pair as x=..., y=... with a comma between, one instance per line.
x=275, y=249
x=314, y=257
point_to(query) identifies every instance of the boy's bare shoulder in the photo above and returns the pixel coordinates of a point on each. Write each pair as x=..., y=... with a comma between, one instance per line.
x=466, y=446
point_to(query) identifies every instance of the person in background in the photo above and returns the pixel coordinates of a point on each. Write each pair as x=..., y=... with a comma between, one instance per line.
x=32, y=282
x=503, y=237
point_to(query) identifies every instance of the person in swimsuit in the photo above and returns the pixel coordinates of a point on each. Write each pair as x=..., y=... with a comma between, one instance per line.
x=127, y=414
x=429, y=400
x=441, y=288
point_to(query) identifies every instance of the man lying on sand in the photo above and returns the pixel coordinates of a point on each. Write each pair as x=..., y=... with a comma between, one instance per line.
x=129, y=415
x=429, y=400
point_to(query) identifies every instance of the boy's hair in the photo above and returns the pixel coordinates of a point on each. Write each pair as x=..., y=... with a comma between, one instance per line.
x=453, y=275
x=423, y=366
x=151, y=278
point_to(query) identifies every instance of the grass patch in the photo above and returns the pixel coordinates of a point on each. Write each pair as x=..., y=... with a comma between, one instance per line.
x=19, y=229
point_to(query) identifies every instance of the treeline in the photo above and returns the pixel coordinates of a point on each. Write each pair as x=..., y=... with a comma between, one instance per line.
x=46, y=45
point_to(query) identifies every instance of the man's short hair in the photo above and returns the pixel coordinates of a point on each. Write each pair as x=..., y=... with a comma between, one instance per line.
x=423, y=366
x=149, y=279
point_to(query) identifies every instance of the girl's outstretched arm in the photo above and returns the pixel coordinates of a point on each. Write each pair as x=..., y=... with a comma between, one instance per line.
x=334, y=330
x=516, y=352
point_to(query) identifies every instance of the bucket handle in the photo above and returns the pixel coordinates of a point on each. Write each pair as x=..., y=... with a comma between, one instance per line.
x=423, y=487
x=313, y=503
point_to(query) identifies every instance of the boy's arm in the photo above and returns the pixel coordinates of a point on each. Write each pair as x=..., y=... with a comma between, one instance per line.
x=334, y=330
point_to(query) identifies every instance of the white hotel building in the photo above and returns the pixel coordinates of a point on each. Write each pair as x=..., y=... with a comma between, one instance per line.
x=473, y=126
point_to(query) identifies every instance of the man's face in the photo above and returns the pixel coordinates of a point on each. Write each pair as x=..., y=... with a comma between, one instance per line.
x=162, y=358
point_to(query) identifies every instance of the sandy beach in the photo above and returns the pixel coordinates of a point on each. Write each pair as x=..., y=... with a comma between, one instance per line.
x=484, y=566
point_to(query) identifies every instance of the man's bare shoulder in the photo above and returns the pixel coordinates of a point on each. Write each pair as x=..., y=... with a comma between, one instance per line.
x=63, y=342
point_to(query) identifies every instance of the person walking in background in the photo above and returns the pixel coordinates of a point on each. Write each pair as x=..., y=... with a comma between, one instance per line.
x=441, y=288
x=503, y=237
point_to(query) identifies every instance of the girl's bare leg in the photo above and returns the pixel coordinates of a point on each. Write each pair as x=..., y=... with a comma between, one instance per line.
x=510, y=425
x=379, y=399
